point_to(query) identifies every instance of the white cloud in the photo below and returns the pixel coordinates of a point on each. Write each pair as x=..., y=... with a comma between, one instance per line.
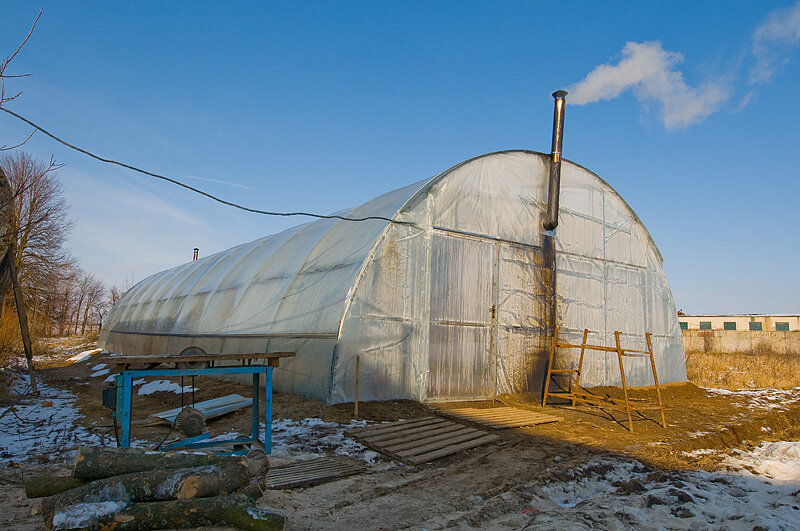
x=649, y=72
x=772, y=39
x=218, y=181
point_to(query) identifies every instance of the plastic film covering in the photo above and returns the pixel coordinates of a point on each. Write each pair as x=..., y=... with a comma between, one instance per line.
x=457, y=306
x=609, y=278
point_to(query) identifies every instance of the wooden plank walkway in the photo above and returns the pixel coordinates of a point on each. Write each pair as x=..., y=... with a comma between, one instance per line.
x=420, y=440
x=500, y=417
x=311, y=472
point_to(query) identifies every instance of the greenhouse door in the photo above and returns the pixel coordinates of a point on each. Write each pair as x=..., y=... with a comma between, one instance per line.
x=461, y=358
x=524, y=311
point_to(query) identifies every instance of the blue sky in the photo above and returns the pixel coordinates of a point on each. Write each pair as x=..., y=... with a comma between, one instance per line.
x=319, y=106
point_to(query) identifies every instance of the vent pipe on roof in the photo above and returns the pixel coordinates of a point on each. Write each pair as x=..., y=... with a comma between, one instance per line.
x=551, y=220
x=194, y=256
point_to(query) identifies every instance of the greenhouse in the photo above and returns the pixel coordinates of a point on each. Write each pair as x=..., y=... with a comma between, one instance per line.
x=450, y=300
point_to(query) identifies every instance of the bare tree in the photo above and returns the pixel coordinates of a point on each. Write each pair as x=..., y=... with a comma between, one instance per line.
x=115, y=295
x=4, y=98
x=95, y=297
x=39, y=217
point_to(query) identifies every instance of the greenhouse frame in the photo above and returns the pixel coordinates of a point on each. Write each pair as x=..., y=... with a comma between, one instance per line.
x=451, y=300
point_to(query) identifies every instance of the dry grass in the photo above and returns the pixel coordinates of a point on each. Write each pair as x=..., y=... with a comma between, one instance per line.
x=743, y=370
x=10, y=339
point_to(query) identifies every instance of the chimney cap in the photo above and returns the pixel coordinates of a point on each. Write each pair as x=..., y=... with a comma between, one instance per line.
x=559, y=94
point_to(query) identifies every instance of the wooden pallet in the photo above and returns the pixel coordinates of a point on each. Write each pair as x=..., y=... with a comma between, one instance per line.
x=311, y=472
x=500, y=417
x=420, y=440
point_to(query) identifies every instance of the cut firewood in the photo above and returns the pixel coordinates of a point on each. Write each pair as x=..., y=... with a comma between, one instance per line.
x=255, y=489
x=232, y=510
x=219, y=480
x=97, y=463
x=41, y=486
x=155, y=485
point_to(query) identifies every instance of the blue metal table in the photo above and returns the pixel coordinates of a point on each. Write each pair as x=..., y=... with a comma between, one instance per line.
x=124, y=390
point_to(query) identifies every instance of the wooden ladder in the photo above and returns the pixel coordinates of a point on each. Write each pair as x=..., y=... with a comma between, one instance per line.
x=577, y=394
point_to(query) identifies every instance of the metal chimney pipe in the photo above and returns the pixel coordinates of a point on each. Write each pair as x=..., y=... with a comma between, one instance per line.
x=551, y=220
x=194, y=257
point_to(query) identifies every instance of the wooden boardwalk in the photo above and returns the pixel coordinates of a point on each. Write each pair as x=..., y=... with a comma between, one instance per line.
x=419, y=440
x=311, y=472
x=500, y=417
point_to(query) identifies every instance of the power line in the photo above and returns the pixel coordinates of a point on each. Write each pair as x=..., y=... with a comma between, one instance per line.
x=197, y=190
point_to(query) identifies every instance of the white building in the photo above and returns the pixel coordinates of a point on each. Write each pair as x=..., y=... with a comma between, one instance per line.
x=745, y=321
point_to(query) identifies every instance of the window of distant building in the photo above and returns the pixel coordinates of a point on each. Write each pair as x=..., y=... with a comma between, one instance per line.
x=684, y=325
x=755, y=326
x=705, y=325
x=782, y=327
x=729, y=325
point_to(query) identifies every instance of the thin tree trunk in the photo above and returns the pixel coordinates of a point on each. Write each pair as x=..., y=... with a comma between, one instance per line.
x=23, y=323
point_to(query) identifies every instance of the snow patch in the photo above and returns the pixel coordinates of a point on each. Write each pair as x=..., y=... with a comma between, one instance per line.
x=85, y=355
x=44, y=424
x=165, y=386
x=614, y=493
x=312, y=437
x=695, y=454
x=766, y=398
x=778, y=461
x=81, y=514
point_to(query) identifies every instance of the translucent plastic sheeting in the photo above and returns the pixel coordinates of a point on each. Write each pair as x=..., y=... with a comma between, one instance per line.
x=456, y=306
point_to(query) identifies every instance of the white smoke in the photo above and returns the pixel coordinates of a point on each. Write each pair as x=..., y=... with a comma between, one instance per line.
x=649, y=71
x=772, y=39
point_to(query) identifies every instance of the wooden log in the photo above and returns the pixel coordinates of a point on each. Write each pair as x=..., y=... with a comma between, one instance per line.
x=232, y=510
x=255, y=489
x=41, y=486
x=218, y=480
x=155, y=485
x=97, y=463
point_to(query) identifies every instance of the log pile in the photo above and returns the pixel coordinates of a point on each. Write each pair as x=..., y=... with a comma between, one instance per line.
x=130, y=489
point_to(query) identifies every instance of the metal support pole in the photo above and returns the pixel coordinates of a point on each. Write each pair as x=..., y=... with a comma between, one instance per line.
x=255, y=406
x=125, y=418
x=268, y=411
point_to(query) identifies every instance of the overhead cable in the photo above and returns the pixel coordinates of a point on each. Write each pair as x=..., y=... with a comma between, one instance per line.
x=197, y=190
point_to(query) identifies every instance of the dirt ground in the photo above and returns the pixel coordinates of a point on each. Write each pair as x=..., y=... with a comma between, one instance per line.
x=482, y=487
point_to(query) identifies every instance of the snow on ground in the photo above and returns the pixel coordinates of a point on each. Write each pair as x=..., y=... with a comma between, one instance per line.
x=43, y=424
x=70, y=349
x=313, y=437
x=696, y=454
x=778, y=461
x=163, y=385
x=85, y=355
x=614, y=493
x=99, y=370
x=762, y=398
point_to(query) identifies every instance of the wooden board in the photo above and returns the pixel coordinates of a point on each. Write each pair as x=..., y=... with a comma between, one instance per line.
x=311, y=472
x=171, y=358
x=500, y=417
x=420, y=440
